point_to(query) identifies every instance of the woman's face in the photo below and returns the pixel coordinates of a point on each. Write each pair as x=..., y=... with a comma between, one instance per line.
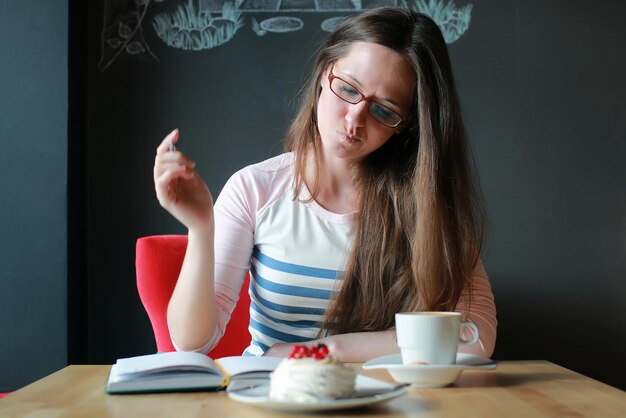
x=349, y=131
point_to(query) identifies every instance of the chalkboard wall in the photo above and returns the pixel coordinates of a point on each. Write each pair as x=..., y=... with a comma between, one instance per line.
x=544, y=98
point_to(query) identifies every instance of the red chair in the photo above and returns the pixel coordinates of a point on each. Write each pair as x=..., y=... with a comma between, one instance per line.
x=158, y=260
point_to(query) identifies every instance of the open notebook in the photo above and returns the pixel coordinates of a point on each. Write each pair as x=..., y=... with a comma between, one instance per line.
x=182, y=371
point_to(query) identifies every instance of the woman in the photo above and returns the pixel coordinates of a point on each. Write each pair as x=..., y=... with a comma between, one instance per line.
x=372, y=210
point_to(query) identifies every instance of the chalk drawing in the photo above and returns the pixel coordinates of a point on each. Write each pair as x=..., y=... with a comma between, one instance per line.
x=452, y=21
x=122, y=32
x=256, y=27
x=281, y=24
x=206, y=24
x=330, y=24
x=196, y=30
x=301, y=6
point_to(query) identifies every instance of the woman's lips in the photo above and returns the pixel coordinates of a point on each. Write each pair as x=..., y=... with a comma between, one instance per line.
x=347, y=138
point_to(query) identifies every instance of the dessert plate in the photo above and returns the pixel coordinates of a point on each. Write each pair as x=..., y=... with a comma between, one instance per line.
x=428, y=375
x=259, y=396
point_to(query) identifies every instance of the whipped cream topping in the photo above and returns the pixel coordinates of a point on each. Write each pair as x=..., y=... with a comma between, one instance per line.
x=311, y=380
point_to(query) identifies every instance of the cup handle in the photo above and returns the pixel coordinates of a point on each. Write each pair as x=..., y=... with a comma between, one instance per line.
x=476, y=334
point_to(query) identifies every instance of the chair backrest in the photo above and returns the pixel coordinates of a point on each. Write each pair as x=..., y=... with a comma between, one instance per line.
x=158, y=260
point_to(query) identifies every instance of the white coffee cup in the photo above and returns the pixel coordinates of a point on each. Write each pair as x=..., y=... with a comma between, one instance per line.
x=431, y=337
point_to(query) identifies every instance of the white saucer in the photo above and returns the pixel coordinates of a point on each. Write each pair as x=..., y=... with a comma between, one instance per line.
x=258, y=395
x=429, y=375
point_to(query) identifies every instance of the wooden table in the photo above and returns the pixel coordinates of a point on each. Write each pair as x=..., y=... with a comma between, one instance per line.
x=514, y=389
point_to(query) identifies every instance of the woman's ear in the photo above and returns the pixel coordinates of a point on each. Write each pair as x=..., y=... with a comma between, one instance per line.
x=324, y=76
x=326, y=73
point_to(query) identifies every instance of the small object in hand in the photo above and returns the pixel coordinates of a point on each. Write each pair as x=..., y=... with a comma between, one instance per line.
x=172, y=146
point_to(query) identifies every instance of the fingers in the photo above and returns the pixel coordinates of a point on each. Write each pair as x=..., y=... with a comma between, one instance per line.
x=174, y=158
x=165, y=183
x=168, y=158
x=171, y=170
x=172, y=161
x=169, y=142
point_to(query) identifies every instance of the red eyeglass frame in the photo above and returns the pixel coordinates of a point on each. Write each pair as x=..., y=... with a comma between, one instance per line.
x=332, y=76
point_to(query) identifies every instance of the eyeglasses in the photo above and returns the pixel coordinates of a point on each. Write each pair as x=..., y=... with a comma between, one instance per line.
x=347, y=92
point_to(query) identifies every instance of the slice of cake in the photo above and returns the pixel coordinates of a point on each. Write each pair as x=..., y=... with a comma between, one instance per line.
x=311, y=375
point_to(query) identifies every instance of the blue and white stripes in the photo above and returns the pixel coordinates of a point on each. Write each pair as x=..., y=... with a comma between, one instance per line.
x=294, y=249
x=287, y=301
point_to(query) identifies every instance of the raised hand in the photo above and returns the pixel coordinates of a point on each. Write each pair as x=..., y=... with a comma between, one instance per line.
x=179, y=188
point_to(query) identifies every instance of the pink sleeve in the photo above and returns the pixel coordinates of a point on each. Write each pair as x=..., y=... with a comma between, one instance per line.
x=243, y=196
x=482, y=312
x=235, y=213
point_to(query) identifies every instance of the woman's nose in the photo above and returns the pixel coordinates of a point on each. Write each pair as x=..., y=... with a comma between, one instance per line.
x=357, y=114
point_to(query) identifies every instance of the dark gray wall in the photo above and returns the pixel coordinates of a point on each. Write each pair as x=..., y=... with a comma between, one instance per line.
x=544, y=98
x=33, y=181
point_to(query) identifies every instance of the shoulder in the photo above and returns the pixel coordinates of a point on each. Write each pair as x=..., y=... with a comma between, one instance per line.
x=261, y=182
x=279, y=165
x=266, y=174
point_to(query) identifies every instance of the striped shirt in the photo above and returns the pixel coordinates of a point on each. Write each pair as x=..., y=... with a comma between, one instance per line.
x=293, y=249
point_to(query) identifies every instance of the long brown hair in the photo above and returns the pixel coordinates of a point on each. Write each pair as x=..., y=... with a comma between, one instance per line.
x=421, y=217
